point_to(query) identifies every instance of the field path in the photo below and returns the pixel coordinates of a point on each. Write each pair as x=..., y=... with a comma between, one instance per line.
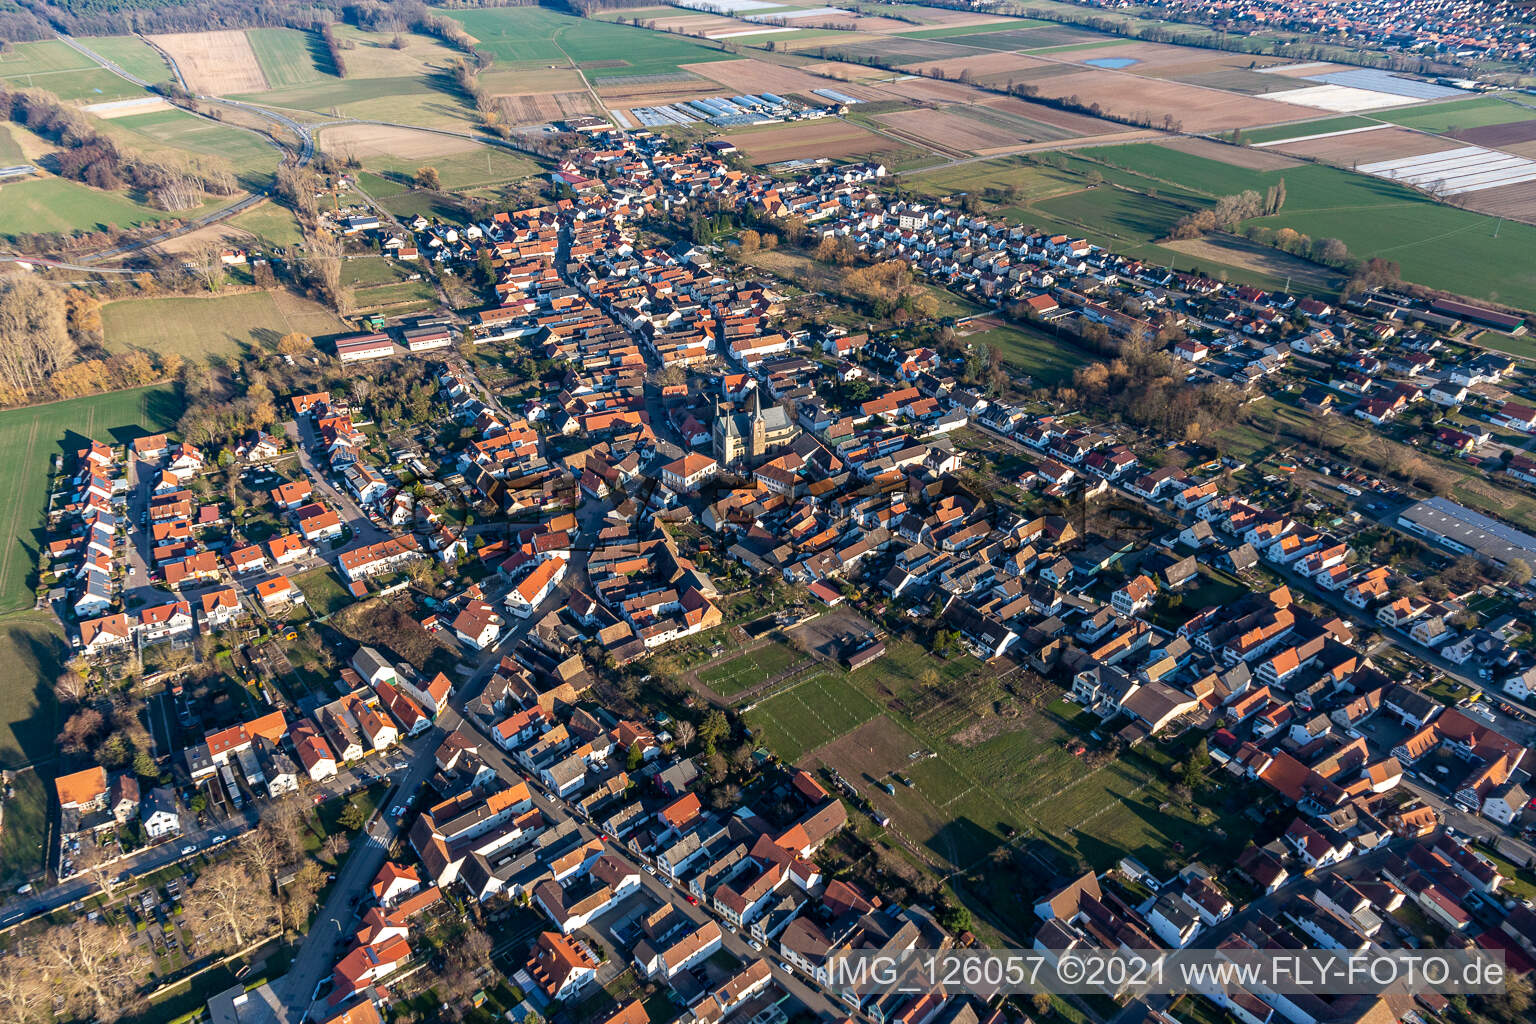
x=555, y=38
x=5, y=561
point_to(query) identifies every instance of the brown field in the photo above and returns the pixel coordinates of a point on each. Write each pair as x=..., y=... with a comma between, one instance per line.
x=1527, y=149
x=1517, y=202
x=652, y=93
x=755, y=76
x=1077, y=124
x=517, y=83
x=979, y=65
x=930, y=90
x=538, y=107
x=1158, y=60
x=218, y=63
x=829, y=138
x=1197, y=109
x=1501, y=136
x=1310, y=68
x=949, y=130
x=1237, y=156
x=700, y=24
x=368, y=140
x=1367, y=147
x=846, y=72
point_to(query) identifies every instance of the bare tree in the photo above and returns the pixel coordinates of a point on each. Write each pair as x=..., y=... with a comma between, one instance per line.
x=70, y=687
x=229, y=905
x=207, y=259
x=685, y=733
x=95, y=967
x=95, y=862
x=25, y=997
x=34, y=334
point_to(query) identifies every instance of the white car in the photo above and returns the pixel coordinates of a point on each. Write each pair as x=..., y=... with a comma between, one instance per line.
x=187, y=851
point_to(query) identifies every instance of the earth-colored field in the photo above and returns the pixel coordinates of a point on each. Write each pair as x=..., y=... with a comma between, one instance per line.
x=758, y=75
x=1196, y=109
x=1514, y=201
x=31, y=437
x=829, y=138
x=218, y=63
x=950, y=130
x=1500, y=136
x=537, y=108
x=217, y=327
x=366, y=141
x=982, y=67
x=1364, y=147
x=1237, y=156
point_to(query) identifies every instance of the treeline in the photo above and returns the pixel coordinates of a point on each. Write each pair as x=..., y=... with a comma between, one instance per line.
x=90, y=157
x=26, y=20
x=1230, y=211
x=333, y=49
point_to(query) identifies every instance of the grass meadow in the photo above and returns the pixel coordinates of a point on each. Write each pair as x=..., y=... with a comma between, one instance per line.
x=215, y=327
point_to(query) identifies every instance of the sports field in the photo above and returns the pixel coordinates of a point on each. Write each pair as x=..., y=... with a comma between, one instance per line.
x=217, y=328
x=537, y=35
x=751, y=669
x=819, y=708
x=31, y=437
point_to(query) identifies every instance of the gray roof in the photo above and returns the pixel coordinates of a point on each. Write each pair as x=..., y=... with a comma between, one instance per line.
x=1446, y=520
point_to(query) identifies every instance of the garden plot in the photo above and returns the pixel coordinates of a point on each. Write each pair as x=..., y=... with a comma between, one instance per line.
x=1456, y=172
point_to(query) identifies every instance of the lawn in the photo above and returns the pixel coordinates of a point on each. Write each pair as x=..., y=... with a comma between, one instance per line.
x=23, y=850
x=134, y=56
x=748, y=670
x=31, y=437
x=213, y=328
x=10, y=152
x=1436, y=245
x=34, y=651
x=1049, y=360
x=323, y=592
x=46, y=205
x=90, y=85
x=272, y=224
x=289, y=57
x=536, y=34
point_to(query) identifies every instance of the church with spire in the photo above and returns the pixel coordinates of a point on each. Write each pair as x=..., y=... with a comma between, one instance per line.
x=748, y=435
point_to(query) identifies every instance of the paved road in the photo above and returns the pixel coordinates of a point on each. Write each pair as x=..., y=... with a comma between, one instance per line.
x=364, y=532
x=145, y=862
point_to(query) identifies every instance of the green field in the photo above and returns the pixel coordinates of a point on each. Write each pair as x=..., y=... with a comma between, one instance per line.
x=53, y=204
x=484, y=165
x=23, y=841
x=91, y=85
x=323, y=592
x=170, y=131
x=815, y=711
x=34, y=651
x=31, y=437
x=134, y=56
x=1048, y=360
x=1296, y=131
x=10, y=152
x=974, y=30
x=1474, y=113
x=41, y=58
x=270, y=223
x=289, y=57
x=1436, y=245
x=218, y=327
x=426, y=100
x=751, y=669
x=535, y=34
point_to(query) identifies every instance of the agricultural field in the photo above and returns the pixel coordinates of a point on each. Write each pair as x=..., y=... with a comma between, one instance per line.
x=49, y=204
x=215, y=328
x=10, y=152
x=133, y=55
x=1459, y=114
x=372, y=54
x=1436, y=245
x=32, y=437
x=269, y=223
x=397, y=153
x=745, y=671
x=832, y=138
x=174, y=131
x=218, y=63
x=527, y=35
x=288, y=57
